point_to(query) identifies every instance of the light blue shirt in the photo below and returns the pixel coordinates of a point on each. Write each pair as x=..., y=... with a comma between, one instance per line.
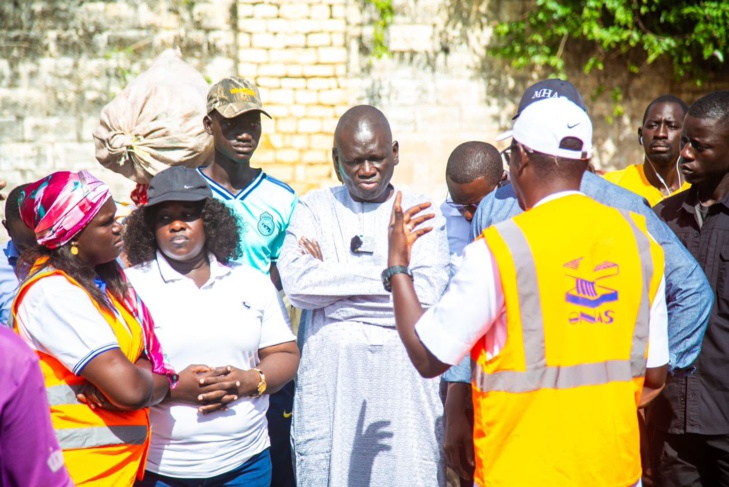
x=8, y=283
x=264, y=210
x=457, y=230
x=688, y=295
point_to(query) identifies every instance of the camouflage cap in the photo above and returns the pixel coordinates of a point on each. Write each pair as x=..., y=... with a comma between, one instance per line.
x=234, y=96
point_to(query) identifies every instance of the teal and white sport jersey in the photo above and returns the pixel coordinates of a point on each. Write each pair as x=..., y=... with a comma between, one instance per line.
x=264, y=209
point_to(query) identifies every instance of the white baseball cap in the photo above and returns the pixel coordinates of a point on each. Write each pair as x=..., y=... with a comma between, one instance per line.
x=543, y=125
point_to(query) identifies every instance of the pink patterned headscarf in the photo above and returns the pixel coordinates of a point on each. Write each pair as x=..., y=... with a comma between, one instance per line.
x=61, y=204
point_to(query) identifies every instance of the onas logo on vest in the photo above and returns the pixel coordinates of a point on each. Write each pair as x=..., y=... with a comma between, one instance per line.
x=265, y=224
x=588, y=294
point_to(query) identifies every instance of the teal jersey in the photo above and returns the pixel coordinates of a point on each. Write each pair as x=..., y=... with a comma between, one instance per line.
x=264, y=210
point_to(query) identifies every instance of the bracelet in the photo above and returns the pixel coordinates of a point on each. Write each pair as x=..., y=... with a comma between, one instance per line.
x=261, y=387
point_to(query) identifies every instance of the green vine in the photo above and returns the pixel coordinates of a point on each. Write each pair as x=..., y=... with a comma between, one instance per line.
x=383, y=20
x=690, y=35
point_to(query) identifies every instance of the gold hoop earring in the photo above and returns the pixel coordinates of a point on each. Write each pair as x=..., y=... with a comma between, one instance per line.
x=74, y=248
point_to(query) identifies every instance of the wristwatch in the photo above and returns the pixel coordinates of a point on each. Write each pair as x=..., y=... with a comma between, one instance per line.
x=391, y=271
x=261, y=384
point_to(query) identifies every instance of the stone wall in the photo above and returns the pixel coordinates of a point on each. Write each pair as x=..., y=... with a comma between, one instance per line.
x=440, y=88
x=296, y=53
x=61, y=61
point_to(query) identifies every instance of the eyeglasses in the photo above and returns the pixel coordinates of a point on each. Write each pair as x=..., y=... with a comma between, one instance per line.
x=470, y=207
x=506, y=153
x=504, y=181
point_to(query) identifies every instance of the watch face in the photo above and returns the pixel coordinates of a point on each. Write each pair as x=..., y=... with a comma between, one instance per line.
x=386, y=280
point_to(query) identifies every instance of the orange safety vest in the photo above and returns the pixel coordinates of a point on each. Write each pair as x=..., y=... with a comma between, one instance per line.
x=557, y=405
x=103, y=448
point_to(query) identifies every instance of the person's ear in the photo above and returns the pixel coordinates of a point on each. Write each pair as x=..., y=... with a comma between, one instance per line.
x=335, y=161
x=396, y=152
x=524, y=161
x=208, y=124
x=5, y=224
x=640, y=135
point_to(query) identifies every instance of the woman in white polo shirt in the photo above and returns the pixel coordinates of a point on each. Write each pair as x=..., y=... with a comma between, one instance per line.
x=222, y=325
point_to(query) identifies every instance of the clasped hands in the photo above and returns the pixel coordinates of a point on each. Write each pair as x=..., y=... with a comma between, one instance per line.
x=212, y=388
x=209, y=388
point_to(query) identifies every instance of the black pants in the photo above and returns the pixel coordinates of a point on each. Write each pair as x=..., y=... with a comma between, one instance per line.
x=692, y=460
x=280, y=405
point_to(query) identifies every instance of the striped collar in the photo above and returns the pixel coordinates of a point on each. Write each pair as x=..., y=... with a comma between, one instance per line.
x=227, y=195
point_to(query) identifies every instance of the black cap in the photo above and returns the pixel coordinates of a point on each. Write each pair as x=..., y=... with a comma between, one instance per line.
x=177, y=183
x=550, y=88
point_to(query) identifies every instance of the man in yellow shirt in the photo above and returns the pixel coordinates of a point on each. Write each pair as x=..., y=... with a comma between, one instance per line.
x=660, y=135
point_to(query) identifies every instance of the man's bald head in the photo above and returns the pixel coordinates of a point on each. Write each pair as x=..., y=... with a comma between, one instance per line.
x=362, y=118
x=472, y=160
x=364, y=154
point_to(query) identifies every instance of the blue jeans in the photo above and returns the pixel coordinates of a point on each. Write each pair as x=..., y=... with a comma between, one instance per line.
x=256, y=472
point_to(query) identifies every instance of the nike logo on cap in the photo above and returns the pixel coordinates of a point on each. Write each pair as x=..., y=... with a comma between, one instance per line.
x=188, y=187
x=287, y=415
x=573, y=125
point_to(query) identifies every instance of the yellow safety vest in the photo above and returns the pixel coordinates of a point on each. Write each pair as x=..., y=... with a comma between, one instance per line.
x=557, y=405
x=101, y=448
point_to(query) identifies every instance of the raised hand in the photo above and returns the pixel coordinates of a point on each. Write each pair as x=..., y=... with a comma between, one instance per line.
x=405, y=228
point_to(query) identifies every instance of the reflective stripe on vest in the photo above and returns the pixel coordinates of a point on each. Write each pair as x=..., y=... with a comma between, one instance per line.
x=640, y=334
x=97, y=444
x=540, y=376
x=75, y=438
x=63, y=394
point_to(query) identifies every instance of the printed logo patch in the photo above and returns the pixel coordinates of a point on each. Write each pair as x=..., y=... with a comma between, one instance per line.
x=587, y=293
x=265, y=224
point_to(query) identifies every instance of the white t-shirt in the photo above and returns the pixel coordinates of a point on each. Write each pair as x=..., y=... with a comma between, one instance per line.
x=224, y=322
x=478, y=281
x=58, y=318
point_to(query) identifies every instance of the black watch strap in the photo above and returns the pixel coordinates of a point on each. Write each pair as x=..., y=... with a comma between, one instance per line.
x=391, y=271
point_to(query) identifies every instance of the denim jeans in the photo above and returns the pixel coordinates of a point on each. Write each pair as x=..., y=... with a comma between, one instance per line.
x=256, y=472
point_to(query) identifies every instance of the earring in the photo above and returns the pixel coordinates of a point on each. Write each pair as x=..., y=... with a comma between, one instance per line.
x=74, y=248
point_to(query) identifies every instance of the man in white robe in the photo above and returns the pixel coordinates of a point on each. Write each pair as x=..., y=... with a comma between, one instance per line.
x=362, y=414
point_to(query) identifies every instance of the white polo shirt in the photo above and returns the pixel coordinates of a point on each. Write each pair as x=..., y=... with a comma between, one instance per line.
x=224, y=322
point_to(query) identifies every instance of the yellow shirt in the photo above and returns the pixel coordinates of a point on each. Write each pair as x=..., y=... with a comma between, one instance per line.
x=633, y=179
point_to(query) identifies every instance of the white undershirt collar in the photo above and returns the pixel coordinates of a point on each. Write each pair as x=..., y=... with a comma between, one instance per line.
x=557, y=195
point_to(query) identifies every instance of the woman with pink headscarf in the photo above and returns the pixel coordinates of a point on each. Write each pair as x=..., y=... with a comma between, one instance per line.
x=101, y=362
